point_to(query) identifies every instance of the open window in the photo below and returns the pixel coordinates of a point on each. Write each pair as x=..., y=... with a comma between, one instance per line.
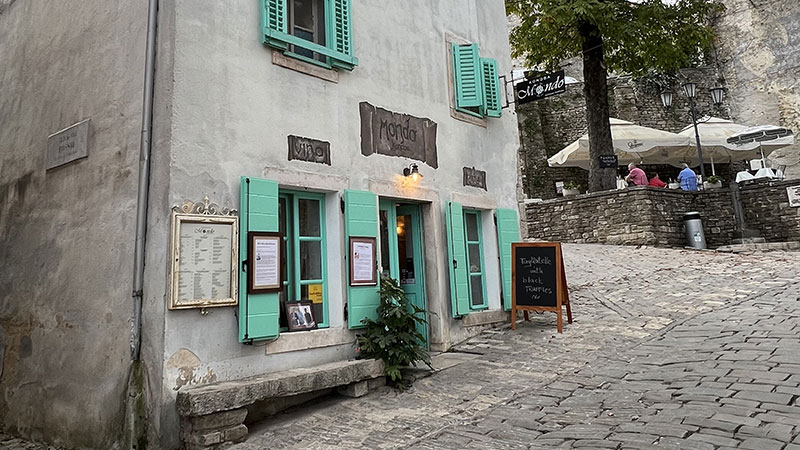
x=314, y=31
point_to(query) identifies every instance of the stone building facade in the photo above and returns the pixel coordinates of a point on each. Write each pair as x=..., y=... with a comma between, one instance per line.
x=311, y=133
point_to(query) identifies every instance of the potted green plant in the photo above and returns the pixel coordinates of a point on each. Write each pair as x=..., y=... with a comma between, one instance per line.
x=571, y=188
x=393, y=336
x=713, y=182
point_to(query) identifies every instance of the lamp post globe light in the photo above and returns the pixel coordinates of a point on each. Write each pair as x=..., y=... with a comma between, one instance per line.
x=690, y=89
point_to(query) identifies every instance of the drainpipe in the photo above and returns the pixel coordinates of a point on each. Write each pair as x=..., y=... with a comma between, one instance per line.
x=144, y=180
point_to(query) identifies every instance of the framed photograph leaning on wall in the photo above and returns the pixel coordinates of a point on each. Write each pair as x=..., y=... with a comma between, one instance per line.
x=300, y=316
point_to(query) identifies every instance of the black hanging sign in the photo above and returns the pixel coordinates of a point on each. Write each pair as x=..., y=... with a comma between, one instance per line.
x=540, y=87
x=608, y=161
x=475, y=178
x=539, y=282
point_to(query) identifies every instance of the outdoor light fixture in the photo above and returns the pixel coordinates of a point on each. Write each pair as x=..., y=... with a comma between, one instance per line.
x=412, y=171
x=716, y=95
x=690, y=89
x=666, y=99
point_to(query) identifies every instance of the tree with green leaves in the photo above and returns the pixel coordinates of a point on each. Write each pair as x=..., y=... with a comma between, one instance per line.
x=623, y=36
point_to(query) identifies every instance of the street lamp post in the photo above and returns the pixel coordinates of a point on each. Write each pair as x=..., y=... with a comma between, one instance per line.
x=690, y=89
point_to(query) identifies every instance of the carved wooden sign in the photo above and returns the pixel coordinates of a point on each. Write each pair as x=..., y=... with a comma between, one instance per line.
x=311, y=150
x=395, y=134
x=475, y=178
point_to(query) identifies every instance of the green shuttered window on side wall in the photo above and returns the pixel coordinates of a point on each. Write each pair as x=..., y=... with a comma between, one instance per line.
x=333, y=47
x=476, y=82
x=507, y=234
x=360, y=220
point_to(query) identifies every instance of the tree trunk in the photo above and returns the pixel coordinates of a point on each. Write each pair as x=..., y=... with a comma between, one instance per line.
x=595, y=89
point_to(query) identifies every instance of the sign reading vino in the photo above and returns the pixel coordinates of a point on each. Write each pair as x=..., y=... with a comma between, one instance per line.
x=539, y=282
x=540, y=87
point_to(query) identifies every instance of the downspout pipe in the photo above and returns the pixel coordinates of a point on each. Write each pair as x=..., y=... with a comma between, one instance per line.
x=145, y=147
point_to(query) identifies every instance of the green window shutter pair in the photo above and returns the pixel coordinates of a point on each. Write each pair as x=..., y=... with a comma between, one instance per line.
x=360, y=220
x=259, y=314
x=275, y=29
x=507, y=233
x=476, y=80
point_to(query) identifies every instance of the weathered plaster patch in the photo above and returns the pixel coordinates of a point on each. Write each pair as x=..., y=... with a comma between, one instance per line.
x=186, y=368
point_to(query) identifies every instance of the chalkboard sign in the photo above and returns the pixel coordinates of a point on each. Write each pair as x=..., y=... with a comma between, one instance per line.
x=536, y=273
x=539, y=282
x=608, y=161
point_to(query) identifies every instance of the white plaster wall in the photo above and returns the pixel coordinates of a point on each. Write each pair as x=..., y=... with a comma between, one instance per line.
x=66, y=236
x=232, y=110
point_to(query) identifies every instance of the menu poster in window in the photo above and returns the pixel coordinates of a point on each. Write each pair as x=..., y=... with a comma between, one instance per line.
x=538, y=280
x=264, y=250
x=204, y=260
x=363, y=262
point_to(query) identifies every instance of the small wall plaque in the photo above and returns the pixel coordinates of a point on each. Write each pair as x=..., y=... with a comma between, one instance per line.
x=311, y=150
x=475, y=178
x=67, y=145
x=793, y=192
x=204, y=255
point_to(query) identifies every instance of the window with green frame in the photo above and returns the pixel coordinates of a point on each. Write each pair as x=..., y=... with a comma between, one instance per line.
x=315, y=31
x=301, y=217
x=475, y=81
x=475, y=266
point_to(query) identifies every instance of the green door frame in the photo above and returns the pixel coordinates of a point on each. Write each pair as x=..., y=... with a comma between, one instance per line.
x=412, y=210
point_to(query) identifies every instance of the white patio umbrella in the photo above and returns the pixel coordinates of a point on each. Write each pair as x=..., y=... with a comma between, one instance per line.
x=714, y=133
x=764, y=139
x=632, y=144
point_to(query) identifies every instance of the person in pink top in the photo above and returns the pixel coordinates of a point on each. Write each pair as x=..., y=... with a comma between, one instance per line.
x=636, y=176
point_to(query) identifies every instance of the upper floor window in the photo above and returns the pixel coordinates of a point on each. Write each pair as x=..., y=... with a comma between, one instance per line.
x=315, y=31
x=476, y=83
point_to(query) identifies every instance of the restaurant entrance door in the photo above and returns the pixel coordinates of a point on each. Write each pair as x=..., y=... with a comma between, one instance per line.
x=402, y=255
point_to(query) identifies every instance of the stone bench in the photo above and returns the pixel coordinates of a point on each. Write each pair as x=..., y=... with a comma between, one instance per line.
x=214, y=414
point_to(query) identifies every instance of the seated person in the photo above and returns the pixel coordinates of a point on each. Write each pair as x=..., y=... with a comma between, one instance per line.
x=656, y=182
x=636, y=176
x=688, y=178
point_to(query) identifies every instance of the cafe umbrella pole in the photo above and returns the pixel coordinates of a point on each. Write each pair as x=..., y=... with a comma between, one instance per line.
x=697, y=136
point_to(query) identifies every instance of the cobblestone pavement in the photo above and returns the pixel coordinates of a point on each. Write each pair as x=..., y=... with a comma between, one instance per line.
x=669, y=349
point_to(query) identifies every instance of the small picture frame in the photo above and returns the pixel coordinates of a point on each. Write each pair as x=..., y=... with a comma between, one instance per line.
x=300, y=316
x=363, y=261
x=264, y=262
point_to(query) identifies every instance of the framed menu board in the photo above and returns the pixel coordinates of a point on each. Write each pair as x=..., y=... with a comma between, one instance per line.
x=538, y=280
x=204, y=256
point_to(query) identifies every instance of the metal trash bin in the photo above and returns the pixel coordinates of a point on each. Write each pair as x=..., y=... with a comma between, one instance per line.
x=693, y=227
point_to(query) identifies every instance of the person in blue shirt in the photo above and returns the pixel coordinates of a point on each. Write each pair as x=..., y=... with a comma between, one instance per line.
x=688, y=179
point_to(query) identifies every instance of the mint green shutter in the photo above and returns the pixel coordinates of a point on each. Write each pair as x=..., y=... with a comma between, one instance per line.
x=507, y=233
x=456, y=249
x=342, y=38
x=468, y=76
x=360, y=220
x=258, y=313
x=273, y=22
x=492, y=88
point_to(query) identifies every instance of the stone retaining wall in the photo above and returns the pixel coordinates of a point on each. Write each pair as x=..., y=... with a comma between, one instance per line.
x=652, y=216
